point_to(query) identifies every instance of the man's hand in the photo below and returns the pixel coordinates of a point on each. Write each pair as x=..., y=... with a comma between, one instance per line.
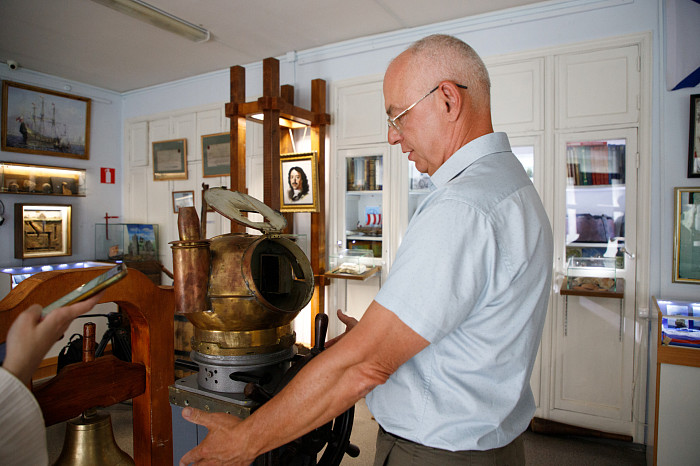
x=216, y=448
x=349, y=322
x=324, y=388
x=30, y=336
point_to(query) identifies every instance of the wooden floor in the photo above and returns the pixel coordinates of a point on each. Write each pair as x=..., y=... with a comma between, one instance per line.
x=540, y=449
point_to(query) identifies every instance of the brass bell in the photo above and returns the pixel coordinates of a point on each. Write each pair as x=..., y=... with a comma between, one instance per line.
x=90, y=441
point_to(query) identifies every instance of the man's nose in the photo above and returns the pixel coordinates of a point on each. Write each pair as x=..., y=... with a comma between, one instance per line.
x=393, y=135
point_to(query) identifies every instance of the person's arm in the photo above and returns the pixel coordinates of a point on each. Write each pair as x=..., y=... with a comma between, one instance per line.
x=30, y=337
x=327, y=386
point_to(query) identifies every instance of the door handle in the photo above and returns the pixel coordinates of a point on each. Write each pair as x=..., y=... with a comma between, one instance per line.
x=627, y=253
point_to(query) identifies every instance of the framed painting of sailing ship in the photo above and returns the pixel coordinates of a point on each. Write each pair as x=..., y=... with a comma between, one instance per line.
x=41, y=121
x=42, y=230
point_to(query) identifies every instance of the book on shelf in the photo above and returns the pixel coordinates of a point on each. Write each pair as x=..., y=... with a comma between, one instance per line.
x=595, y=163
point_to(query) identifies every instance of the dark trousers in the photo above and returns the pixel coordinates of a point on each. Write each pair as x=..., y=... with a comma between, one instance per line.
x=396, y=451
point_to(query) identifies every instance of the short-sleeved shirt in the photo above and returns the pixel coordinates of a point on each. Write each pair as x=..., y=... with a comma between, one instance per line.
x=472, y=276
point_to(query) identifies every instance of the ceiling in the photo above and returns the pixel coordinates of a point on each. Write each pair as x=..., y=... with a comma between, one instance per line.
x=84, y=41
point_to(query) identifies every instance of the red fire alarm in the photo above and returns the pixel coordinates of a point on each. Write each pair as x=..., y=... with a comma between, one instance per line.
x=107, y=175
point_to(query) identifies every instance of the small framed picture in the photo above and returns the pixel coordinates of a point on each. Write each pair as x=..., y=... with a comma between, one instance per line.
x=686, y=248
x=216, y=155
x=42, y=230
x=182, y=199
x=694, y=141
x=299, y=182
x=170, y=160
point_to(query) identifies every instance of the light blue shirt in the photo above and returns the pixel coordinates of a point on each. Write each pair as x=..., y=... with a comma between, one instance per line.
x=472, y=276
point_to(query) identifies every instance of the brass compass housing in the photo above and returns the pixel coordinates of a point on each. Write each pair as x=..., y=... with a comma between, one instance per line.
x=240, y=291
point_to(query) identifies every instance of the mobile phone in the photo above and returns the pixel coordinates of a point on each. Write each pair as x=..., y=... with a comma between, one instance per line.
x=91, y=288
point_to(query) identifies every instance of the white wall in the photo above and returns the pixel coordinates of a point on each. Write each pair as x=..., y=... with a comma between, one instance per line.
x=105, y=151
x=520, y=29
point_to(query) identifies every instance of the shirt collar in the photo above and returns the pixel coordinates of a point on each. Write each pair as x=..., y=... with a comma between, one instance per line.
x=469, y=153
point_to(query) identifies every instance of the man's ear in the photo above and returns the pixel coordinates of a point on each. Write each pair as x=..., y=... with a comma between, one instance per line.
x=452, y=99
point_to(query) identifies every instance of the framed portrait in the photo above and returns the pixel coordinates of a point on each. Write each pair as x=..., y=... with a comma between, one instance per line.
x=182, y=199
x=42, y=230
x=686, y=240
x=216, y=155
x=45, y=122
x=170, y=160
x=298, y=182
x=694, y=140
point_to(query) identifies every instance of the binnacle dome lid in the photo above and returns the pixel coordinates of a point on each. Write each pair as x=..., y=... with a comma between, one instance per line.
x=234, y=206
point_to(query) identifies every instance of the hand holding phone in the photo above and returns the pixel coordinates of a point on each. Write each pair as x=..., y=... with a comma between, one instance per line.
x=88, y=289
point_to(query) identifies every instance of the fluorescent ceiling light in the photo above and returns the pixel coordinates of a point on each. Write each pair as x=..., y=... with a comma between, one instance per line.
x=157, y=17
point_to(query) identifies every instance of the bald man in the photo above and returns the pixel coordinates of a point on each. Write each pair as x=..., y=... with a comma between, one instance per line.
x=445, y=351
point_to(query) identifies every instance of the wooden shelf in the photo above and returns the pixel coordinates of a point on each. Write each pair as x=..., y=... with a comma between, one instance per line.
x=352, y=276
x=619, y=292
x=364, y=238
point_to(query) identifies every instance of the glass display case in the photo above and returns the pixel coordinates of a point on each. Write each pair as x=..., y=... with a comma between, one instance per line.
x=588, y=274
x=39, y=179
x=351, y=263
x=680, y=323
x=595, y=198
x=419, y=186
x=677, y=336
x=363, y=203
x=132, y=242
x=10, y=277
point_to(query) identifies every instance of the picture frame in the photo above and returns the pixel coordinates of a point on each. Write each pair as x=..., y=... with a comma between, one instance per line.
x=45, y=122
x=170, y=160
x=216, y=155
x=694, y=138
x=301, y=197
x=686, y=239
x=142, y=242
x=43, y=230
x=182, y=199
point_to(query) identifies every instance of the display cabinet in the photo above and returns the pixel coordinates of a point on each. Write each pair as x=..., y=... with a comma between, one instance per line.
x=590, y=274
x=593, y=348
x=351, y=264
x=40, y=179
x=677, y=380
x=10, y=277
x=126, y=241
x=363, y=201
x=679, y=323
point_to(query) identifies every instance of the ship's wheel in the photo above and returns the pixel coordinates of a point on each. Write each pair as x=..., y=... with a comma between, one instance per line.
x=324, y=446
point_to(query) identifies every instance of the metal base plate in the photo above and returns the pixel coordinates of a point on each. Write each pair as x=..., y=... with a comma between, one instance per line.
x=185, y=392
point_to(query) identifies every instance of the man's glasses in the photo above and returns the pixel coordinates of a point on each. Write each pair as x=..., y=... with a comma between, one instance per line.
x=396, y=124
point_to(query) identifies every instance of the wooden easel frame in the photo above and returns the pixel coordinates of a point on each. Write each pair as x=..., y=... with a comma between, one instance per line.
x=278, y=102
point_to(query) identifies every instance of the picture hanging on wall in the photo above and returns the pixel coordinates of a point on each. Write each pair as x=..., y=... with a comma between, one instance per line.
x=686, y=247
x=42, y=230
x=694, y=141
x=170, y=160
x=45, y=122
x=182, y=199
x=299, y=183
x=216, y=155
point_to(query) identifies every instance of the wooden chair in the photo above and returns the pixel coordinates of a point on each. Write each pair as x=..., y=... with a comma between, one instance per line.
x=107, y=380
